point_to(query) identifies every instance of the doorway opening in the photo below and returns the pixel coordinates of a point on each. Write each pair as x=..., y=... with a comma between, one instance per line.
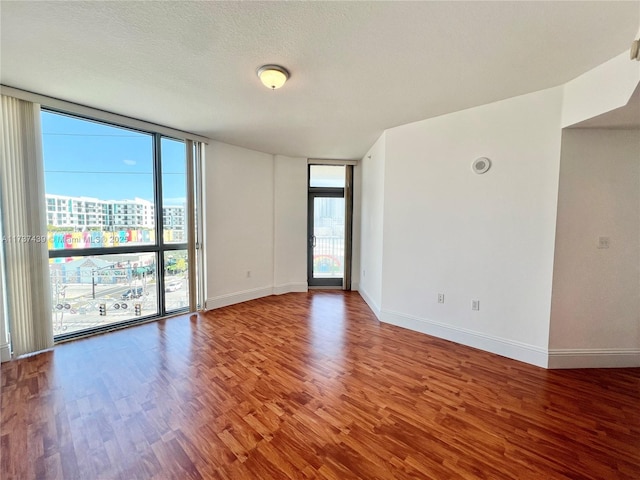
x=329, y=223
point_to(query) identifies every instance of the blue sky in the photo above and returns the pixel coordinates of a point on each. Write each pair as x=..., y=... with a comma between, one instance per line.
x=84, y=158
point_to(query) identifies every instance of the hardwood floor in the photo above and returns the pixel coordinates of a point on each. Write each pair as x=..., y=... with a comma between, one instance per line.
x=305, y=386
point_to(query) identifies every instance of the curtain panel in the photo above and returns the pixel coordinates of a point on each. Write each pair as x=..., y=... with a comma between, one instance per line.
x=24, y=228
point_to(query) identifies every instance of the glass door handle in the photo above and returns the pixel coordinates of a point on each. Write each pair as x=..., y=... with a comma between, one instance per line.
x=312, y=241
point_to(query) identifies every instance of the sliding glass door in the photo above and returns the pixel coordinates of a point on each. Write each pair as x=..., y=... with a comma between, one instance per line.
x=118, y=233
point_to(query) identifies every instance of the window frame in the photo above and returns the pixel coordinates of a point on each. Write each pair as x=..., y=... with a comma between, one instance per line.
x=159, y=248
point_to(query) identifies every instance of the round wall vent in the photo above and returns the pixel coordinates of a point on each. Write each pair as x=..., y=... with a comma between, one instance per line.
x=481, y=165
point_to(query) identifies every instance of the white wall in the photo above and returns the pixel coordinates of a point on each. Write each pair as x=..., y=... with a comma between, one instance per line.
x=372, y=196
x=492, y=238
x=255, y=224
x=487, y=237
x=239, y=224
x=290, y=224
x=596, y=292
x=601, y=89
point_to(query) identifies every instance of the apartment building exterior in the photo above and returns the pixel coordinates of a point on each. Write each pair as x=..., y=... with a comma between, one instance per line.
x=63, y=211
x=86, y=212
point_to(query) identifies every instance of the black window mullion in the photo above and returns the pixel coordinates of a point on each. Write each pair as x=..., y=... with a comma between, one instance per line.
x=327, y=191
x=157, y=163
x=88, y=252
x=169, y=247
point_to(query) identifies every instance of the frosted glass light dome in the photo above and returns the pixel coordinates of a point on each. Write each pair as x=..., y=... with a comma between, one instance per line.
x=273, y=76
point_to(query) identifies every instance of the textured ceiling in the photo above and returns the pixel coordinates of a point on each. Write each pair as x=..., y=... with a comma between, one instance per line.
x=357, y=67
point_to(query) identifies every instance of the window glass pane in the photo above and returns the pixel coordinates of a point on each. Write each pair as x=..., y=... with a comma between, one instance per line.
x=98, y=183
x=328, y=232
x=174, y=191
x=101, y=184
x=176, y=280
x=327, y=176
x=93, y=291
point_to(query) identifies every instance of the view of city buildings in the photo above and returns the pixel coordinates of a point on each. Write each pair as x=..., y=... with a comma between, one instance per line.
x=83, y=222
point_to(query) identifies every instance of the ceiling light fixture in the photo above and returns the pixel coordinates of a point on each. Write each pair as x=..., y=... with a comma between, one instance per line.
x=273, y=76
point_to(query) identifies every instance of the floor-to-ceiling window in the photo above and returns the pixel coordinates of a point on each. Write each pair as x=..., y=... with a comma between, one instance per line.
x=117, y=203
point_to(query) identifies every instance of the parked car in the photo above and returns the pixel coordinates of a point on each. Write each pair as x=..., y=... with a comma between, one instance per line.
x=173, y=286
x=132, y=293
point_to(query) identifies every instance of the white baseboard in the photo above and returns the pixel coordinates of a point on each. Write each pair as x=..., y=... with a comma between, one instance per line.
x=246, y=295
x=594, y=358
x=5, y=352
x=290, y=288
x=369, y=301
x=237, y=297
x=552, y=358
x=522, y=352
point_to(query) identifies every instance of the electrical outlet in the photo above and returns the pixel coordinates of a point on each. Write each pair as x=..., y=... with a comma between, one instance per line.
x=603, y=242
x=441, y=298
x=475, y=305
x=248, y=273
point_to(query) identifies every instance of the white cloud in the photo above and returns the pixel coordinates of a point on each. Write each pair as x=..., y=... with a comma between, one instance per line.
x=129, y=162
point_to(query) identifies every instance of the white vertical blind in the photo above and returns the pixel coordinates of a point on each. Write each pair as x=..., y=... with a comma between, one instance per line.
x=5, y=347
x=27, y=291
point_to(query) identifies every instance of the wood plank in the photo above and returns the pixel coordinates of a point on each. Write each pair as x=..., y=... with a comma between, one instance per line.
x=304, y=386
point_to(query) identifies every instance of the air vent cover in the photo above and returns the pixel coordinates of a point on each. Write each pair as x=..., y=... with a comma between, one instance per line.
x=481, y=165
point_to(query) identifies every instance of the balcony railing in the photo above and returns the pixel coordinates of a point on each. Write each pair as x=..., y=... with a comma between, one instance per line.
x=328, y=256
